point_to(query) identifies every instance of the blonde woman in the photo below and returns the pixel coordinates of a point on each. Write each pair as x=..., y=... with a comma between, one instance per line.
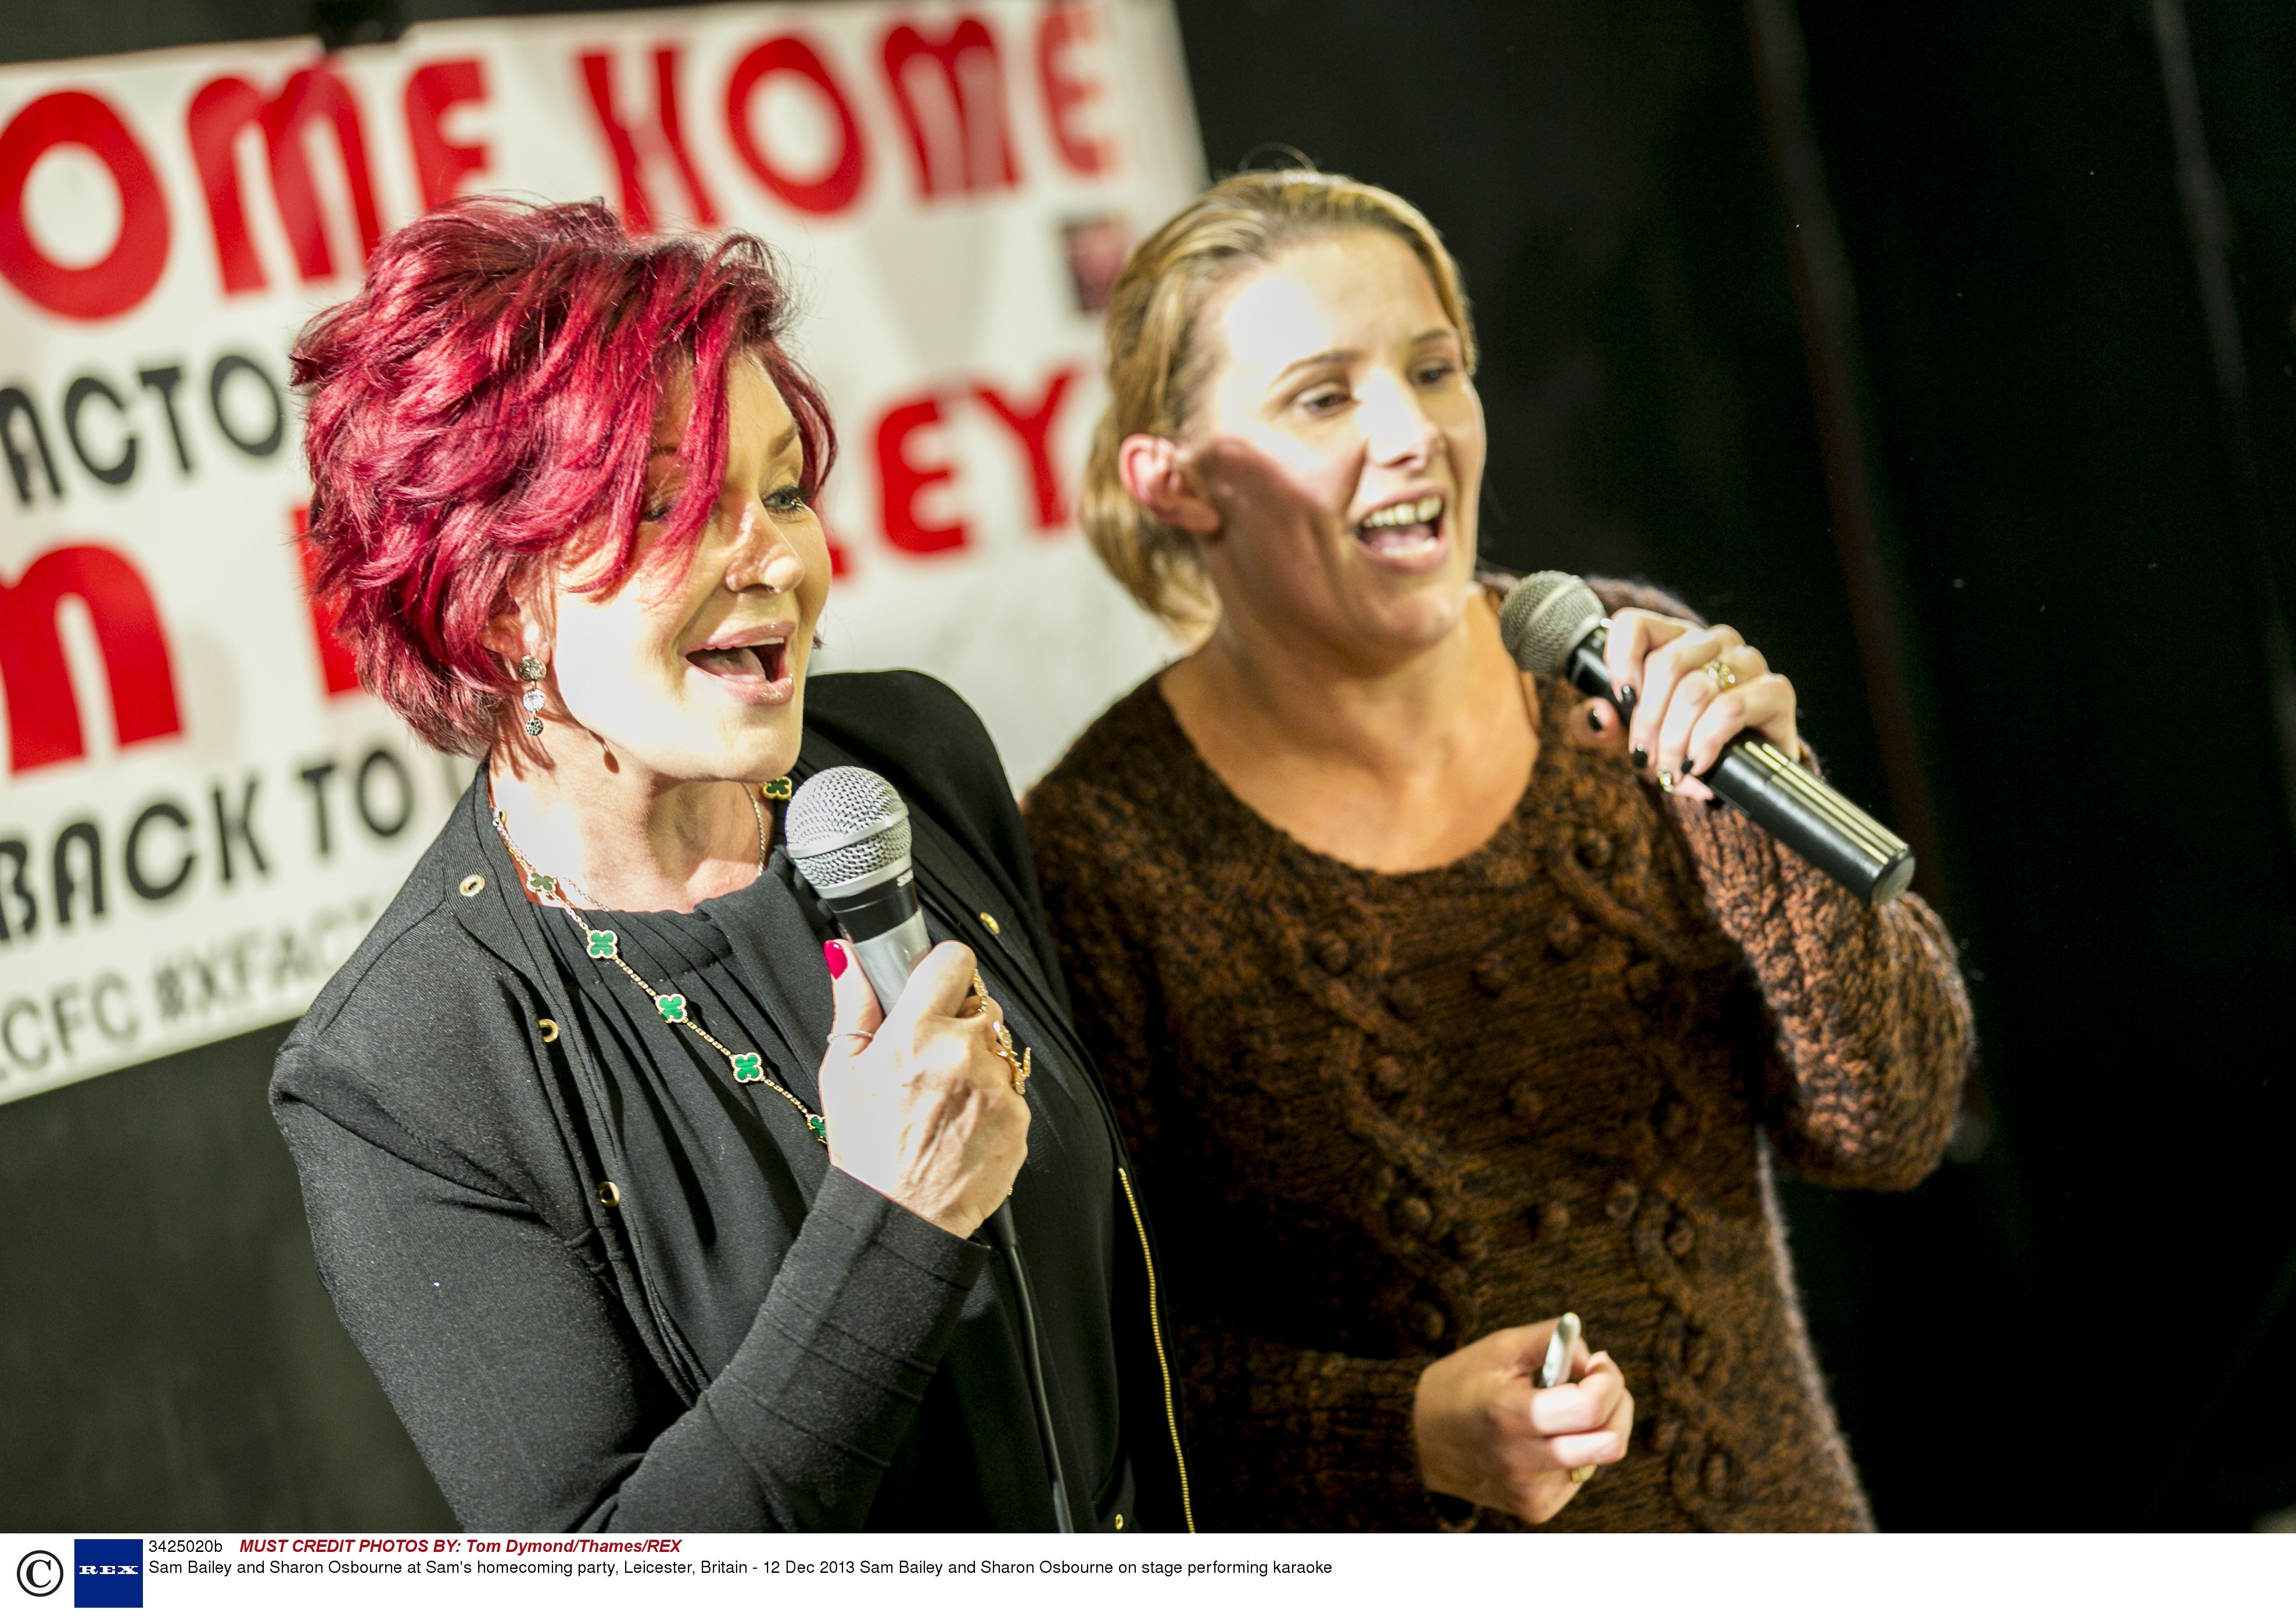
x=1437, y=999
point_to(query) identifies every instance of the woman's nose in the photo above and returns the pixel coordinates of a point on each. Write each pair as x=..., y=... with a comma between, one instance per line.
x=762, y=558
x=1399, y=432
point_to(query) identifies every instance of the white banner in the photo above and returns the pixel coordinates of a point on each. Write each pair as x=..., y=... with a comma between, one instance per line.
x=202, y=813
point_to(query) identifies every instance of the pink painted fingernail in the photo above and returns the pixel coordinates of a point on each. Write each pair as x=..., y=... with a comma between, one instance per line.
x=835, y=954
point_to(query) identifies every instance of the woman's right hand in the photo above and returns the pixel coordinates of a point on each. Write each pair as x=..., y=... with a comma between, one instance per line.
x=920, y=1107
x=1489, y=1434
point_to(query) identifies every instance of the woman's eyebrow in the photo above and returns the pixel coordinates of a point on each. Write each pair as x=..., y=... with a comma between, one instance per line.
x=1330, y=356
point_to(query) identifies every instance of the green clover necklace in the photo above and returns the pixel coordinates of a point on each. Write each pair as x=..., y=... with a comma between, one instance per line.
x=748, y=1065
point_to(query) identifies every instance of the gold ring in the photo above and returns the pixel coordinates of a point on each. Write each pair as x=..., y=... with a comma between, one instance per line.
x=1021, y=1065
x=1723, y=675
x=1581, y=1474
x=1666, y=782
x=1001, y=1041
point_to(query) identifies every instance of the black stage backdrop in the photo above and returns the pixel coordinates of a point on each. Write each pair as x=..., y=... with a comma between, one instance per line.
x=1948, y=352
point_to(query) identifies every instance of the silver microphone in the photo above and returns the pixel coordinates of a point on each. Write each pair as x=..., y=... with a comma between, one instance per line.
x=849, y=837
x=1553, y=623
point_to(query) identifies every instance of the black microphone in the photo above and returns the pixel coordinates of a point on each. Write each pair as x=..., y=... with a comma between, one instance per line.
x=1553, y=623
x=848, y=833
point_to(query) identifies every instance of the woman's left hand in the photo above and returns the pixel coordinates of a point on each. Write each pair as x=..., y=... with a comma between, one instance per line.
x=1684, y=713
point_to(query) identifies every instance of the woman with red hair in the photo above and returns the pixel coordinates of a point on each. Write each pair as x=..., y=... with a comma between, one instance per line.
x=641, y=1215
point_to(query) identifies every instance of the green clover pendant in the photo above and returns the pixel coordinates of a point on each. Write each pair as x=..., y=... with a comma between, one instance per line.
x=749, y=1067
x=543, y=884
x=672, y=1007
x=819, y=1124
x=601, y=944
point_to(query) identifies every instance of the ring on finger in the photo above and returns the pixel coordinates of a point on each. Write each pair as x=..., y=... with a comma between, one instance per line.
x=1580, y=1473
x=1723, y=675
x=1000, y=1039
x=1021, y=1065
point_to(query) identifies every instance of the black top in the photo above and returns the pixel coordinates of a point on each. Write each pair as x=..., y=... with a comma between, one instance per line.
x=744, y=1338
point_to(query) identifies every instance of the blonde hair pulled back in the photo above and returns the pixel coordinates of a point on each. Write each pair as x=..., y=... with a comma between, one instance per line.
x=1156, y=363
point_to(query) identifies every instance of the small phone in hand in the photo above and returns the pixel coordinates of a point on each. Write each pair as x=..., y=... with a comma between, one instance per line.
x=1559, y=1350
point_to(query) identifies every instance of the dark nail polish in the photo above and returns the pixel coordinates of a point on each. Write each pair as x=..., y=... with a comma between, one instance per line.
x=1641, y=756
x=1594, y=720
x=1627, y=696
x=835, y=954
x=1689, y=767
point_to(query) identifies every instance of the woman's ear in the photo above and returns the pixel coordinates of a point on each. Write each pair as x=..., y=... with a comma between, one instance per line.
x=518, y=631
x=1156, y=475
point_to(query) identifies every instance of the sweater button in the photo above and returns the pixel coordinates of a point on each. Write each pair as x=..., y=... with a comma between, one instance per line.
x=1553, y=1219
x=1388, y=1077
x=1567, y=934
x=1407, y=999
x=1593, y=849
x=1427, y=1320
x=1490, y=973
x=1697, y=1353
x=1333, y=955
x=1525, y=1103
x=1624, y=1198
x=1645, y=981
x=1414, y=1215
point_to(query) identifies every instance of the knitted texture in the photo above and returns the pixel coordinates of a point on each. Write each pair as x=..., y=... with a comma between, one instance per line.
x=1384, y=1114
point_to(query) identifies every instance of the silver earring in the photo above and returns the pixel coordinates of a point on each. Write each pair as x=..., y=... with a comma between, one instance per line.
x=532, y=669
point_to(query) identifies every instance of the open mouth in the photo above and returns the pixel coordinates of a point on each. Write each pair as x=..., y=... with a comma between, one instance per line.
x=756, y=665
x=1405, y=532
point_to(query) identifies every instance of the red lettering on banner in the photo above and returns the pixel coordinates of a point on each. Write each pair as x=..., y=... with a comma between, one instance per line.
x=1067, y=92
x=667, y=134
x=840, y=181
x=224, y=109
x=902, y=481
x=44, y=721
x=126, y=273
x=335, y=665
x=433, y=90
x=1032, y=425
x=959, y=133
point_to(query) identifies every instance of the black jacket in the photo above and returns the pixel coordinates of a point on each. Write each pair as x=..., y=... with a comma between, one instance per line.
x=485, y=1249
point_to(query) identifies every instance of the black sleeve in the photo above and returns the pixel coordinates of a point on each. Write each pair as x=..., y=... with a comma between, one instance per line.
x=506, y=1354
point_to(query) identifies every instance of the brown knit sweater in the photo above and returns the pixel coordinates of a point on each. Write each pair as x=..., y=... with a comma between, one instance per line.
x=1383, y=1114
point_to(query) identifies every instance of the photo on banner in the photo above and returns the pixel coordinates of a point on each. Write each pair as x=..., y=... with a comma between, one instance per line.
x=202, y=811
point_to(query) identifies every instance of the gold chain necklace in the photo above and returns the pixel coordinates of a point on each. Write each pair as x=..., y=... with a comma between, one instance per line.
x=748, y=1066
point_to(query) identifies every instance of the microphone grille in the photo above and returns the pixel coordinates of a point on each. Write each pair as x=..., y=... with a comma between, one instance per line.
x=847, y=825
x=1544, y=616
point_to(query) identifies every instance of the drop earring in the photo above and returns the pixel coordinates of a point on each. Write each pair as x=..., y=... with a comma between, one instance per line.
x=531, y=669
